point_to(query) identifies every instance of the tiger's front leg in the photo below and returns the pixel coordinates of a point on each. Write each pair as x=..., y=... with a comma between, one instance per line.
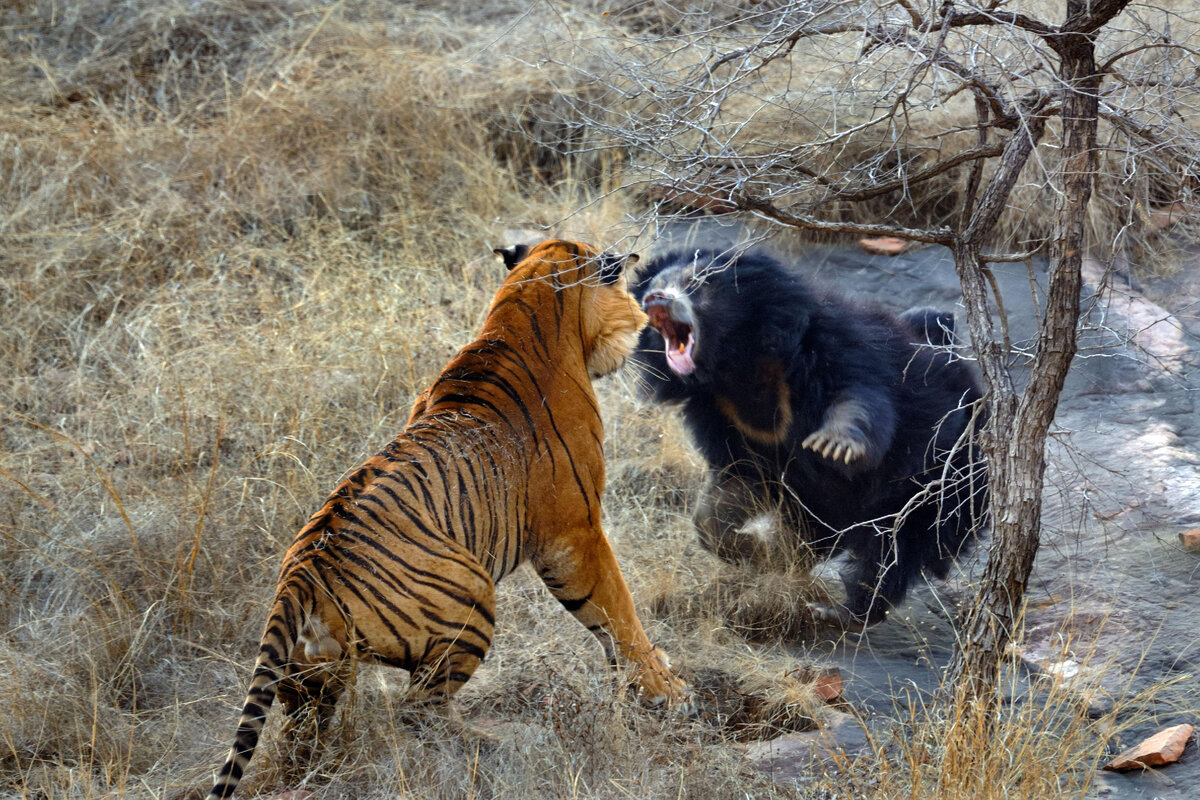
x=582, y=573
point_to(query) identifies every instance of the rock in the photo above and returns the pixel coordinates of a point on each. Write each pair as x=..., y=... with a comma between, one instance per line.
x=1151, y=328
x=796, y=756
x=1164, y=747
x=828, y=685
x=1162, y=218
x=1190, y=540
x=883, y=245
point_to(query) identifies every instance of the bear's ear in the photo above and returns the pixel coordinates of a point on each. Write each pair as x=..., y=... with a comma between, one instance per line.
x=612, y=266
x=641, y=278
x=512, y=255
x=931, y=325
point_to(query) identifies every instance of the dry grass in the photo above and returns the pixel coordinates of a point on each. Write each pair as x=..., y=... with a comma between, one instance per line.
x=238, y=237
x=1046, y=737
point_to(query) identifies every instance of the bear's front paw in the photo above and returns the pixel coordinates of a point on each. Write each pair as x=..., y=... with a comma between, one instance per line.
x=836, y=616
x=836, y=445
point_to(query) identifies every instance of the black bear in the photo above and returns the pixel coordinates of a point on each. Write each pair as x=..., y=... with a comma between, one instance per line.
x=856, y=424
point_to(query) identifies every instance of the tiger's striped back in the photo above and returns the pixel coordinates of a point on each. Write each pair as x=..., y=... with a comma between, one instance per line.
x=501, y=462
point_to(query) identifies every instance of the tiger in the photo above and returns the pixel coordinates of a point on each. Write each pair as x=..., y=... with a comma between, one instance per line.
x=500, y=462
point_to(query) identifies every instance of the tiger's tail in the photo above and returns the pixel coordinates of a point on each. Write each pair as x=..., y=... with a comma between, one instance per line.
x=279, y=638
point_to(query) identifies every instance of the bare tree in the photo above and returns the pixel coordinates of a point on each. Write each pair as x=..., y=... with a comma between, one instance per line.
x=973, y=125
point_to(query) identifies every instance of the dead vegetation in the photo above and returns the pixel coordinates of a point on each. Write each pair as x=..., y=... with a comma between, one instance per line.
x=237, y=238
x=824, y=115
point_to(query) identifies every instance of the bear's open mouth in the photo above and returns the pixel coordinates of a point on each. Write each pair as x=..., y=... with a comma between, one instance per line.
x=679, y=335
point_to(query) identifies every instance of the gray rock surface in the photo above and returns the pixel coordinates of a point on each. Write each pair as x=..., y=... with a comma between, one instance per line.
x=798, y=757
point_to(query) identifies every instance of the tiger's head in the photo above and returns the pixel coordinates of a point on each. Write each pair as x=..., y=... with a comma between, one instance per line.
x=590, y=291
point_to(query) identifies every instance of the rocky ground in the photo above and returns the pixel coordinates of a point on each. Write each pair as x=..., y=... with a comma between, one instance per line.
x=1113, y=600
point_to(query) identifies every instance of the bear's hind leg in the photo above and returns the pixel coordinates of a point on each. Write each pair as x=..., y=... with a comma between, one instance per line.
x=886, y=559
x=726, y=504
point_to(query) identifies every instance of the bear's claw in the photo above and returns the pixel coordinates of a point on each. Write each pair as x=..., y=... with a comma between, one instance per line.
x=835, y=446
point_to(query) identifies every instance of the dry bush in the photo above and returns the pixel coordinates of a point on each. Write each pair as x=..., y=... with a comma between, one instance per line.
x=1047, y=739
x=722, y=99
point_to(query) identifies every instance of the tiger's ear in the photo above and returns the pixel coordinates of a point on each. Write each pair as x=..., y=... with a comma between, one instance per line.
x=512, y=255
x=612, y=266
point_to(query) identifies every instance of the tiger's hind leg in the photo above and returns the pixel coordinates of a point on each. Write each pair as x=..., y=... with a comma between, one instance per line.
x=581, y=572
x=450, y=665
x=318, y=675
x=309, y=698
x=462, y=625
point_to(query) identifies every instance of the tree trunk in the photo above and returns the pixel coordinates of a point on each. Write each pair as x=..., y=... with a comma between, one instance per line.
x=1016, y=437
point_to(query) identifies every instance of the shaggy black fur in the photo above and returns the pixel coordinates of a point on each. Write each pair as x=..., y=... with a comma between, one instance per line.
x=848, y=419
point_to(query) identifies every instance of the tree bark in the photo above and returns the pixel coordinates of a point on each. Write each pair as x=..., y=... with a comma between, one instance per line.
x=1018, y=427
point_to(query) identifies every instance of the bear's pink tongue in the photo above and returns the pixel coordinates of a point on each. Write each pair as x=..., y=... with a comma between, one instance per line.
x=679, y=356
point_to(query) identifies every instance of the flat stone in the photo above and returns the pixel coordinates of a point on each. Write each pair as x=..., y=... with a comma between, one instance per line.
x=1164, y=747
x=1190, y=540
x=1148, y=326
x=884, y=245
x=796, y=756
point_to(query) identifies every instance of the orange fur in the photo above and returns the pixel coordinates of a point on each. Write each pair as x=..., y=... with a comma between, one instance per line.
x=501, y=462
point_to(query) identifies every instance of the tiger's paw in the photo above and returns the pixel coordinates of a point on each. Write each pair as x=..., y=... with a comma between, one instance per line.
x=659, y=687
x=679, y=700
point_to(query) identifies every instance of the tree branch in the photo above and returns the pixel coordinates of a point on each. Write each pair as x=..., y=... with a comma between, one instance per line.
x=1017, y=150
x=976, y=154
x=768, y=210
x=918, y=21
x=1188, y=161
x=1009, y=18
x=1087, y=18
x=1108, y=65
x=854, y=190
